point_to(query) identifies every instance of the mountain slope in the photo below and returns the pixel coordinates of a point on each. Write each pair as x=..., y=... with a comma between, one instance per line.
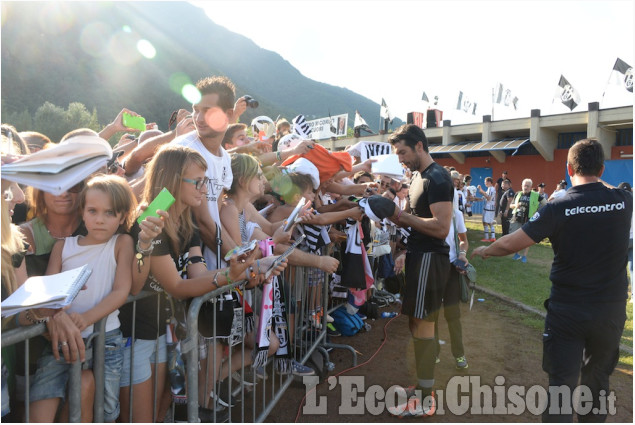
x=86, y=52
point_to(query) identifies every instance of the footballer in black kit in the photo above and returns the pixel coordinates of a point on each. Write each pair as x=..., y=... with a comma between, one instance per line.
x=427, y=263
x=586, y=310
x=427, y=254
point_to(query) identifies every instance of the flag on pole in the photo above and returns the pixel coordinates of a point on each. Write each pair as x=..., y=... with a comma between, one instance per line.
x=384, y=112
x=504, y=96
x=425, y=97
x=360, y=123
x=622, y=75
x=465, y=104
x=566, y=94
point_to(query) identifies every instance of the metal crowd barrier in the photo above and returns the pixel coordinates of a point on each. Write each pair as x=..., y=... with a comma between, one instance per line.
x=256, y=397
x=96, y=340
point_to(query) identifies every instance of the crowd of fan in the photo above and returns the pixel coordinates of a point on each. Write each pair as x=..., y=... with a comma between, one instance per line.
x=226, y=183
x=232, y=183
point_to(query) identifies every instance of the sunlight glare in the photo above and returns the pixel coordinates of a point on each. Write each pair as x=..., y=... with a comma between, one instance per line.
x=191, y=94
x=146, y=49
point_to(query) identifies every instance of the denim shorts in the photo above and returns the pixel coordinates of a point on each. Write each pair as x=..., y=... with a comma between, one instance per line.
x=51, y=375
x=144, y=356
x=5, y=390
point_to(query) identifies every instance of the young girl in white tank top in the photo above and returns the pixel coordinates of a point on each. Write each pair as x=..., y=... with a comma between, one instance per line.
x=108, y=210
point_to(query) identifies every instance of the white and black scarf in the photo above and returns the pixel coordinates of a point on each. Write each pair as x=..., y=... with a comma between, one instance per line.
x=273, y=318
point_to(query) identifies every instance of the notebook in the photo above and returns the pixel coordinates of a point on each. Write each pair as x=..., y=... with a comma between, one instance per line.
x=54, y=291
x=59, y=168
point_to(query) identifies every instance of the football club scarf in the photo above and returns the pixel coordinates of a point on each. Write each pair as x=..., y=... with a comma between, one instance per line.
x=273, y=318
x=357, y=257
x=248, y=312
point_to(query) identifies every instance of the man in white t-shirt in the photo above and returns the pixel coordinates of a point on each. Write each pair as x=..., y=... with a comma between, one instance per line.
x=489, y=210
x=561, y=190
x=212, y=114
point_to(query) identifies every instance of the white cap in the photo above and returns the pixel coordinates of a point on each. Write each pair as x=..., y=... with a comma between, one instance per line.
x=304, y=166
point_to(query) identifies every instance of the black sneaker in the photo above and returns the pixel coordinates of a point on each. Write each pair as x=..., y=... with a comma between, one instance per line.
x=207, y=415
x=332, y=331
x=461, y=362
x=223, y=397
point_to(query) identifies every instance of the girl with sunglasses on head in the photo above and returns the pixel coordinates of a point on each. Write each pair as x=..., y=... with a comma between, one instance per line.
x=174, y=268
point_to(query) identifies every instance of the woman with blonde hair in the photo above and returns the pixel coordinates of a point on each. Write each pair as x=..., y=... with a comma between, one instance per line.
x=174, y=268
x=13, y=275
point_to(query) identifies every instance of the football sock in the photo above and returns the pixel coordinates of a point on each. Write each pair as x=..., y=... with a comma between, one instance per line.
x=425, y=358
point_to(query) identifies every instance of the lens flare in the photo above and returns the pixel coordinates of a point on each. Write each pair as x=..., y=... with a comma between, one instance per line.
x=56, y=18
x=4, y=12
x=216, y=119
x=94, y=39
x=121, y=47
x=146, y=49
x=178, y=80
x=126, y=28
x=191, y=93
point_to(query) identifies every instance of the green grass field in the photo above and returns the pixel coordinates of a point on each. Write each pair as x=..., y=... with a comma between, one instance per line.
x=528, y=283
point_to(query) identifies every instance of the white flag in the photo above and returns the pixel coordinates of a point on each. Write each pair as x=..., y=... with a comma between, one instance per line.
x=384, y=112
x=465, y=104
x=566, y=94
x=360, y=123
x=622, y=75
x=504, y=96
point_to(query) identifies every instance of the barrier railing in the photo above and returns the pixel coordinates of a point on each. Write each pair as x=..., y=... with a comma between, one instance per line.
x=306, y=297
x=306, y=301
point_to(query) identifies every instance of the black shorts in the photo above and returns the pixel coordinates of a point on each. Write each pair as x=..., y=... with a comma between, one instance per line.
x=426, y=277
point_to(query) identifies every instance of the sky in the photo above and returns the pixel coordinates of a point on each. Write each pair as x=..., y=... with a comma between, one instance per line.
x=396, y=50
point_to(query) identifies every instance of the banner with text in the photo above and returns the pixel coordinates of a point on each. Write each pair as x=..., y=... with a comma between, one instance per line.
x=325, y=128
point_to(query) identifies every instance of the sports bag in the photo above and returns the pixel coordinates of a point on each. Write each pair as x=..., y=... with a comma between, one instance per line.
x=347, y=324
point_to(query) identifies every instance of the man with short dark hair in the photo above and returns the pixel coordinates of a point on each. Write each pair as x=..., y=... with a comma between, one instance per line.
x=212, y=114
x=499, y=190
x=561, y=190
x=489, y=210
x=541, y=191
x=505, y=211
x=426, y=260
x=586, y=310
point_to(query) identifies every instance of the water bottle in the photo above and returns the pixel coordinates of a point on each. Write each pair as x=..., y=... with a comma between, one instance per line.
x=388, y=314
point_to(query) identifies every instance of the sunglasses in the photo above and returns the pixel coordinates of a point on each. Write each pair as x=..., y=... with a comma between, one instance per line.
x=112, y=164
x=77, y=188
x=172, y=119
x=114, y=167
x=198, y=184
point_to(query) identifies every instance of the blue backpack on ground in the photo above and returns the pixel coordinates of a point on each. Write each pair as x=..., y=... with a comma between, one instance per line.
x=347, y=324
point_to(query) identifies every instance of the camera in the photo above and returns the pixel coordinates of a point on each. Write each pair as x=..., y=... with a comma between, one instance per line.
x=251, y=102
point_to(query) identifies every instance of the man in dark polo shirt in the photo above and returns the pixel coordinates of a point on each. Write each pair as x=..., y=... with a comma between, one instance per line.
x=427, y=262
x=586, y=310
x=505, y=201
x=499, y=191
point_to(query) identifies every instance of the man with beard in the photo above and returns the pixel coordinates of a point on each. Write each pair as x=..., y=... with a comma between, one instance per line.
x=427, y=263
